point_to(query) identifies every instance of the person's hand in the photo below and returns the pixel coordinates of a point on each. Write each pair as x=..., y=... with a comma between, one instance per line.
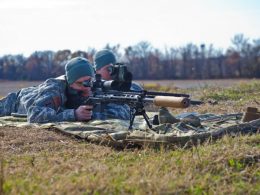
x=83, y=113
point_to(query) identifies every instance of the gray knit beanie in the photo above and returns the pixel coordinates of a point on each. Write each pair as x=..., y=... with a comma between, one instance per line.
x=78, y=67
x=103, y=58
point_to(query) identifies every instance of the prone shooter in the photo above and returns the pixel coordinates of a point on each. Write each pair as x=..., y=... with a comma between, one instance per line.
x=117, y=91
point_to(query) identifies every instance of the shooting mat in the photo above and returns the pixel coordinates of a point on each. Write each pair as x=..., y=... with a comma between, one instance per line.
x=115, y=132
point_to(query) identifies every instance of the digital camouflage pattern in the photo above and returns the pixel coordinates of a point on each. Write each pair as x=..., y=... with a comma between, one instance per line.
x=8, y=104
x=42, y=103
x=46, y=103
x=115, y=111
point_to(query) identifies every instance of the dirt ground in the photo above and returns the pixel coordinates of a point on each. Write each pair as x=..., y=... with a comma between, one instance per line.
x=11, y=86
x=30, y=139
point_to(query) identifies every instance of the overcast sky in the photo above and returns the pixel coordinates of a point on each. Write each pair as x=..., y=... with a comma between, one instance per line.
x=29, y=25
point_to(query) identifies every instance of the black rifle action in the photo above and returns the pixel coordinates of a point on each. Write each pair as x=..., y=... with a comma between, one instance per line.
x=118, y=91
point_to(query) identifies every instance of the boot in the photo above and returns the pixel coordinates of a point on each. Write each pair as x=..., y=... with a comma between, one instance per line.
x=250, y=114
x=166, y=117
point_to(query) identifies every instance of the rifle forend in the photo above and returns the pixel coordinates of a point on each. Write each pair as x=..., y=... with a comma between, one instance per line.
x=118, y=91
x=136, y=102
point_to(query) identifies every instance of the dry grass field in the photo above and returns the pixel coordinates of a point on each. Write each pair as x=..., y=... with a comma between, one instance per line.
x=40, y=161
x=186, y=84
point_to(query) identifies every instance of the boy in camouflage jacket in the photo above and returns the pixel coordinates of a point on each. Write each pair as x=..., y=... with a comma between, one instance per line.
x=48, y=101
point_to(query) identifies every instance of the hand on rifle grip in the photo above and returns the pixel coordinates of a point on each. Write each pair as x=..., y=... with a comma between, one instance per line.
x=83, y=113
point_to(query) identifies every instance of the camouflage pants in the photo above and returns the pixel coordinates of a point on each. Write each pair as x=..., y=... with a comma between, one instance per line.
x=8, y=104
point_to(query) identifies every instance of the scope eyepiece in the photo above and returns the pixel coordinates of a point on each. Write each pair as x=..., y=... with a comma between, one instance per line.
x=88, y=83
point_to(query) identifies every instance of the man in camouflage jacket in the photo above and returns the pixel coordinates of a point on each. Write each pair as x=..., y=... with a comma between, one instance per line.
x=103, y=62
x=48, y=101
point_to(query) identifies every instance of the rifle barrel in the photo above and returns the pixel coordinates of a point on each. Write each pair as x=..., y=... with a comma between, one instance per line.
x=155, y=93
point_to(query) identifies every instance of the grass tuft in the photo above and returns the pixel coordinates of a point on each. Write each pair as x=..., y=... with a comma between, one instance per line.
x=243, y=91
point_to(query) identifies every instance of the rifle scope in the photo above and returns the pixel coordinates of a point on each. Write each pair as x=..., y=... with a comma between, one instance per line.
x=101, y=85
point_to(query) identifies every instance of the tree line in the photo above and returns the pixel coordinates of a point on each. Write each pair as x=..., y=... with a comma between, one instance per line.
x=241, y=60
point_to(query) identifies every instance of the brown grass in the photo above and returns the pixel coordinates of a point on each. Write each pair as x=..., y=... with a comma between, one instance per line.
x=40, y=161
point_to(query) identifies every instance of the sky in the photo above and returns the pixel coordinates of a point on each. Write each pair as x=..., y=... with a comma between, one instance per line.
x=37, y=25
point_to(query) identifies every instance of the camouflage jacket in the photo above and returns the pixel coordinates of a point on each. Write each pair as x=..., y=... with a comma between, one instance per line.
x=46, y=103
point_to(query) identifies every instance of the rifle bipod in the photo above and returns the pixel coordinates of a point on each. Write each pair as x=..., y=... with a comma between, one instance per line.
x=135, y=112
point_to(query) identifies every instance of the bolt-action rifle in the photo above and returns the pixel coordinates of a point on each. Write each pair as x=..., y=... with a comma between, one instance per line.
x=119, y=91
